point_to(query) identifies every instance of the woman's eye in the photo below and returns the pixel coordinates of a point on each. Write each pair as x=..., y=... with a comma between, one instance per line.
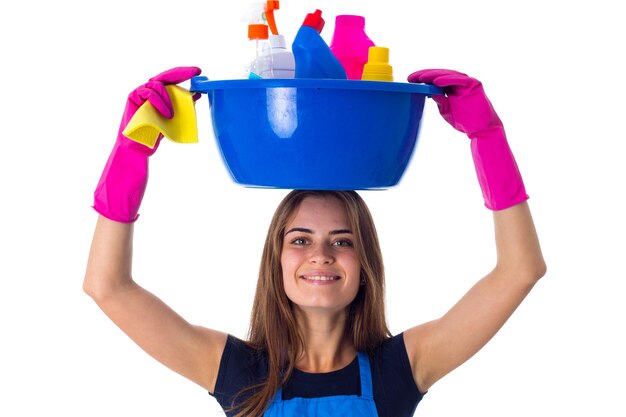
x=343, y=243
x=298, y=241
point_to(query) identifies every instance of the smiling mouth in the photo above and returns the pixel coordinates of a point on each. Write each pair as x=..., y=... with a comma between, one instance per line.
x=320, y=277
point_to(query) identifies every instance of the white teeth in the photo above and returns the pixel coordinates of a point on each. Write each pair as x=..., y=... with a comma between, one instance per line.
x=320, y=278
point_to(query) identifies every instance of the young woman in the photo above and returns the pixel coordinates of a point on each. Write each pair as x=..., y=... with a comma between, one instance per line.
x=319, y=344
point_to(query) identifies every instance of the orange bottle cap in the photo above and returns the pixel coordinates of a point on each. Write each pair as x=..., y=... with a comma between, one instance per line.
x=257, y=31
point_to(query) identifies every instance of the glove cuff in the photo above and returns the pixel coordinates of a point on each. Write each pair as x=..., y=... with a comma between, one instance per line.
x=111, y=216
x=498, y=175
x=122, y=184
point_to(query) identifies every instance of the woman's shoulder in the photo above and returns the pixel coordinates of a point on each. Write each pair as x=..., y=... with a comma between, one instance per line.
x=391, y=361
x=238, y=351
x=394, y=387
x=241, y=366
x=391, y=346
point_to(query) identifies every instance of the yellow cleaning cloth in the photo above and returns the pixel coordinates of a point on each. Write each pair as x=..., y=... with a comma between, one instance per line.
x=147, y=122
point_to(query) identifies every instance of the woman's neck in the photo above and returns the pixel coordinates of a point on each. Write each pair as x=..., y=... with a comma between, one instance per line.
x=327, y=346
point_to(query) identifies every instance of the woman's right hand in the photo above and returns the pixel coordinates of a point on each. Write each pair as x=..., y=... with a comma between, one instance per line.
x=123, y=182
x=192, y=351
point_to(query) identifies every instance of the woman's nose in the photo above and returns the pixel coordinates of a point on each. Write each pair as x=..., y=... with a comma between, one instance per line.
x=321, y=254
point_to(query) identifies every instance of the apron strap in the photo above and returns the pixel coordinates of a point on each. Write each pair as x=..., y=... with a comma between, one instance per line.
x=366, y=376
x=279, y=395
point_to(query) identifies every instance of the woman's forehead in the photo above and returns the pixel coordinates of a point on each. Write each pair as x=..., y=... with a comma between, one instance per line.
x=320, y=211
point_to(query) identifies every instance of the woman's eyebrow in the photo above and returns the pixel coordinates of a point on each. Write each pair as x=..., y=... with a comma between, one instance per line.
x=305, y=230
x=299, y=229
x=340, y=232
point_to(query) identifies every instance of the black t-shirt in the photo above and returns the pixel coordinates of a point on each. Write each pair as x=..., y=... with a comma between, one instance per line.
x=395, y=392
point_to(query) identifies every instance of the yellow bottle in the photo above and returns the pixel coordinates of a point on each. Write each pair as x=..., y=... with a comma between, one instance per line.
x=377, y=67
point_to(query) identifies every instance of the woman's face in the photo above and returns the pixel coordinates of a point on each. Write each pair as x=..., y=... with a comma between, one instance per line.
x=320, y=265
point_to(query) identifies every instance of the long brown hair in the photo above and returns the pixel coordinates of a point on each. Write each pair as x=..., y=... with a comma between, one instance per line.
x=273, y=327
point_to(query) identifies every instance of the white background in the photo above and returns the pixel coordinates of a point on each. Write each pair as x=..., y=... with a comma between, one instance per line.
x=553, y=70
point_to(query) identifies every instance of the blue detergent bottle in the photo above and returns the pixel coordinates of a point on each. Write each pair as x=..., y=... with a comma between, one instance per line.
x=312, y=55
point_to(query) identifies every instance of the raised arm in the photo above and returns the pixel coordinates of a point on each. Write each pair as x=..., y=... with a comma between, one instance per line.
x=192, y=351
x=437, y=347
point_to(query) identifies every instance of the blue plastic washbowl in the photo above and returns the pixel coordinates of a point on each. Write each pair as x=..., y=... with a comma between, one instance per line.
x=315, y=133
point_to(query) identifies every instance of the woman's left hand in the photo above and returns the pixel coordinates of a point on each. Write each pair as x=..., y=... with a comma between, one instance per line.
x=466, y=107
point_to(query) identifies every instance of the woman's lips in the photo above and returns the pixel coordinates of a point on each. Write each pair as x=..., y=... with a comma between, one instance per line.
x=320, y=279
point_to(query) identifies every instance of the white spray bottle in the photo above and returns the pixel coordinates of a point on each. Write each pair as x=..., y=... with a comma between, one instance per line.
x=272, y=58
x=258, y=34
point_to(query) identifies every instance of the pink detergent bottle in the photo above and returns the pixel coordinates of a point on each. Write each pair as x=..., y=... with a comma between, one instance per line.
x=350, y=44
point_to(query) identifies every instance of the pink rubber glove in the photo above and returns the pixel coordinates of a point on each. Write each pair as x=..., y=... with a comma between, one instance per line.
x=125, y=176
x=466, y=107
